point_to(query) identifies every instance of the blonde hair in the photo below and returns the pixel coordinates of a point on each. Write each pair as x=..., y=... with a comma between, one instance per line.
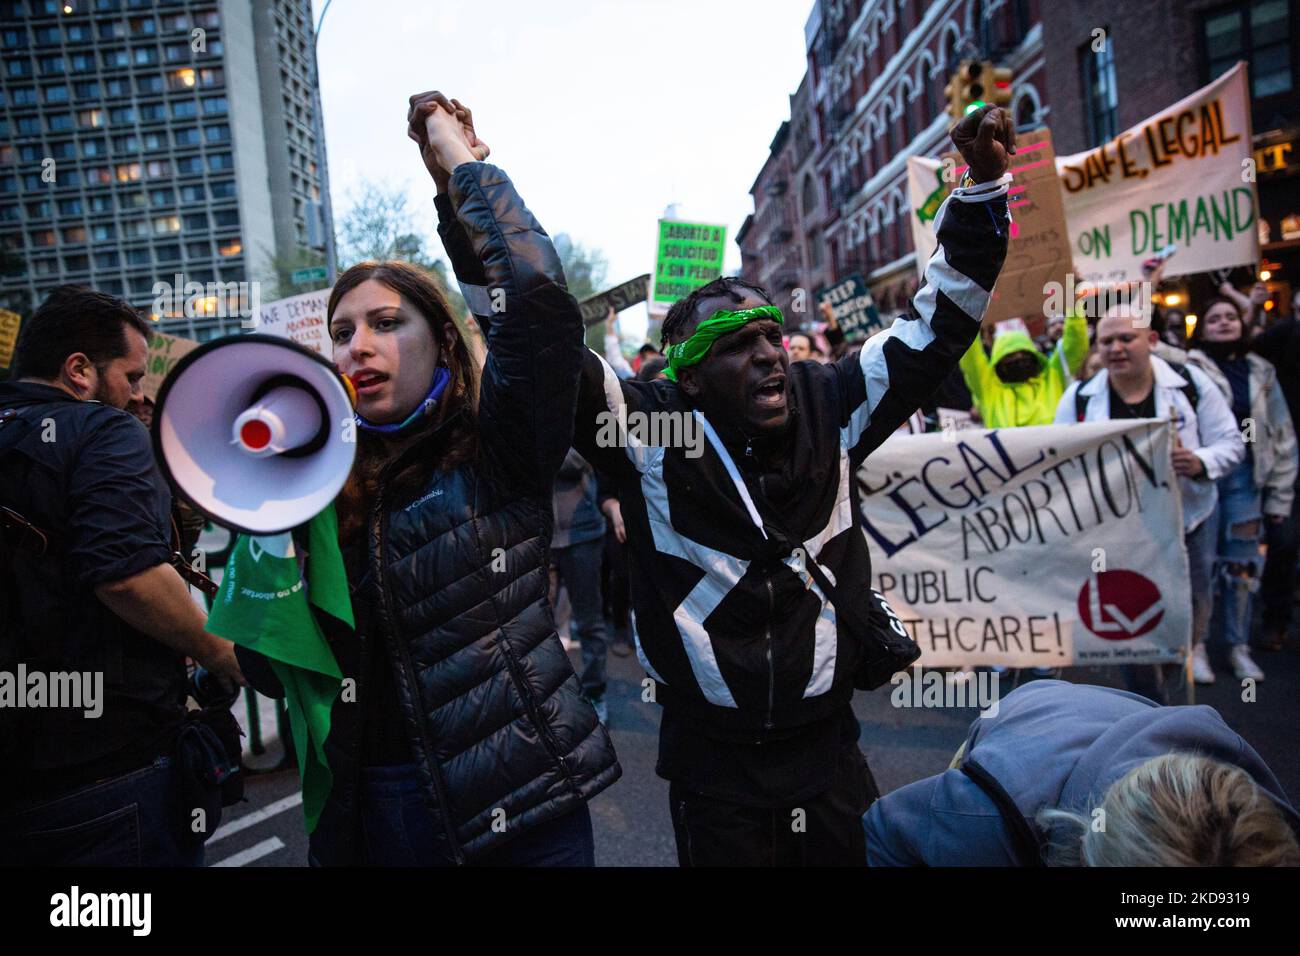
x=1176, y=810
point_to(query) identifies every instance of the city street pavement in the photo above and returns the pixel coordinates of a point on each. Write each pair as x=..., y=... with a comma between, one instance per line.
x=631, y=821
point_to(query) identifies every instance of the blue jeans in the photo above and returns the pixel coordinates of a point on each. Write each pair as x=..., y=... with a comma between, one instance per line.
x=1237, y=563
x=399, y=828
x=579, y=566
x=133, y=820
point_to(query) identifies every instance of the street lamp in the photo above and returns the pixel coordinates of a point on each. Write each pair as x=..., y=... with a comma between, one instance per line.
x=322, y=169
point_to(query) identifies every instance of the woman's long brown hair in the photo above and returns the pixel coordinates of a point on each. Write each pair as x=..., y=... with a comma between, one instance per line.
x=423, y=291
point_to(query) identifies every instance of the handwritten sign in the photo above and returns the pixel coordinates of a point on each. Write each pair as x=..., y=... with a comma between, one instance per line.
x=967, y=524
x=300, y=318
x=854, y=310
x=164, y=352
x=1183, y=176
x=618, y=298
x=9, y=322
x=689, y=256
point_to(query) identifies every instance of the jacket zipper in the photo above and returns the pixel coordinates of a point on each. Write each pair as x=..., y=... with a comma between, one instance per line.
x=396, y=644
x=771, y=668
x=771, y=607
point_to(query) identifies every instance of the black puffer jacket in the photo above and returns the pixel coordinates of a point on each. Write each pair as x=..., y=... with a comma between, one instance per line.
x=456, y=582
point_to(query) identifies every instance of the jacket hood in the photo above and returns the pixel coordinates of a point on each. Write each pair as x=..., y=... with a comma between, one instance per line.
x=1008, y=343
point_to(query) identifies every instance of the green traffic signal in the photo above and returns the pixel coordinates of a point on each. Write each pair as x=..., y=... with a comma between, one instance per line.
x=975, y=104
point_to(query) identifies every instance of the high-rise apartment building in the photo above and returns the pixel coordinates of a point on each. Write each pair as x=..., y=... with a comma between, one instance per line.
x=145, y=139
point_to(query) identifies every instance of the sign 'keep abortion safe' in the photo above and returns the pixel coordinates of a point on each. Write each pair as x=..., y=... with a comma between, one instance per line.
x=1044, y=546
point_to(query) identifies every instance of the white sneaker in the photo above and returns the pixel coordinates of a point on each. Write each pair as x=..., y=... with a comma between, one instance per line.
x=1201, y=672
x=1243, y=666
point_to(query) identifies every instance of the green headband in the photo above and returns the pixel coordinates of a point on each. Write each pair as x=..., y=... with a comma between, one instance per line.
x=722, y=322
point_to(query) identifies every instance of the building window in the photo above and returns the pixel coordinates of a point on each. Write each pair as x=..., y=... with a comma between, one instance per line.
x=181, y=79
x=231, y=247
x=809, y=198
x=74, y=234
x=1101, y=106
x=1258, y=32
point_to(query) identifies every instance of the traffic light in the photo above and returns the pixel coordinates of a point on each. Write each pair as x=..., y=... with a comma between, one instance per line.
x=965, y=89
x=999, y=93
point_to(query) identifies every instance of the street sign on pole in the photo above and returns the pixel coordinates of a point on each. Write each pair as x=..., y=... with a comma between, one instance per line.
x=312, y=274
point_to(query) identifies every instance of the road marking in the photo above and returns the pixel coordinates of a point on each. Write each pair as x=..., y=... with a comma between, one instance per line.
x=256, y=817
x=254, y=852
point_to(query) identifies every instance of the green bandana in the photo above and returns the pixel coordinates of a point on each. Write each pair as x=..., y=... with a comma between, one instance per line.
x=722, y=322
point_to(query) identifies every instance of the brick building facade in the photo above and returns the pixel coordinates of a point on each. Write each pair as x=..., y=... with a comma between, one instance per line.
x=871, y=97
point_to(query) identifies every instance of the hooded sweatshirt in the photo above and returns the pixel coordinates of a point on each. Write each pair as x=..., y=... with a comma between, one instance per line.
x=1032, y=402
x=1051, y=744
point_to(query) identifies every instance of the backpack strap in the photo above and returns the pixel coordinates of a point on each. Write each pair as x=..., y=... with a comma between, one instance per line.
x=1190, y=391
x=1080, y=403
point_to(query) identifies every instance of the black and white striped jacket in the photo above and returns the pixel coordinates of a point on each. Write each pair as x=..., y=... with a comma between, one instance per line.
x=730, y=626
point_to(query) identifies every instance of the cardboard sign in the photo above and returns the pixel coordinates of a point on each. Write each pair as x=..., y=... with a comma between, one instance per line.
x=1183, y=176
x=9, y=322
x=300, y=318
x=1039, y=252
x=854, y=309
x=689, y=255
x=164, y=352
x=618, y=298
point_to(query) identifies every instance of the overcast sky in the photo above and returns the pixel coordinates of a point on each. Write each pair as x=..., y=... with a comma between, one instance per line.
x=601, y=111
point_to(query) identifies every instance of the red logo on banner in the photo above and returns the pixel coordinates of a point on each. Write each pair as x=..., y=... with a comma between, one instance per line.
x=1120, y=605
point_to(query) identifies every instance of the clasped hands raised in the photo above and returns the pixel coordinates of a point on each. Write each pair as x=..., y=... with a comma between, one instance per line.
x=444, y=130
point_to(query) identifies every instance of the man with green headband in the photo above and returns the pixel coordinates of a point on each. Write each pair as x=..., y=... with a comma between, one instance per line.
x=753, y=663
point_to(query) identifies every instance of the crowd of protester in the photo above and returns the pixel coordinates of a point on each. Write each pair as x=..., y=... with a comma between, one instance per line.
x=475, y=741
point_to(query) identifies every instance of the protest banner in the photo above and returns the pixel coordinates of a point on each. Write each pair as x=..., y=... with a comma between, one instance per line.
x=689, y=255
x=618, y=298
x=164, y=352
x=300, y=318
x=1039, y=251
x=1183, y=176
x=853, y=307
x=1043, y=546
x=9, y=322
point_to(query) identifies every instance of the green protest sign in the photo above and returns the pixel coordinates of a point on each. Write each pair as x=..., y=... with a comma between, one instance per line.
x=689, y=256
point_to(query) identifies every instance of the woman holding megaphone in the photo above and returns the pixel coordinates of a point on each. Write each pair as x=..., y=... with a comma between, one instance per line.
x=467, y=739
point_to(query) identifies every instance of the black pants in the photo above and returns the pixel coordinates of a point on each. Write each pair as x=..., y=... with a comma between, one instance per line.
x=825, y=830
x=614, y=583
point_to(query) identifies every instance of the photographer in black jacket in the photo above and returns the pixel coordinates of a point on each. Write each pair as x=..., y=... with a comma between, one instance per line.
x=90, y=601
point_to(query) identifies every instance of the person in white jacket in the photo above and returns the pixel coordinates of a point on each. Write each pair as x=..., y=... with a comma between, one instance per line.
x=1137, y=384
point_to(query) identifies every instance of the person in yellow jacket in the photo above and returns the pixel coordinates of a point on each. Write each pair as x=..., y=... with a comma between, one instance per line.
x=1018, y=385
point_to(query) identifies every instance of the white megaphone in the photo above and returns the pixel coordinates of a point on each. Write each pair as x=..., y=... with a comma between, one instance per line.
x=255, y=431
